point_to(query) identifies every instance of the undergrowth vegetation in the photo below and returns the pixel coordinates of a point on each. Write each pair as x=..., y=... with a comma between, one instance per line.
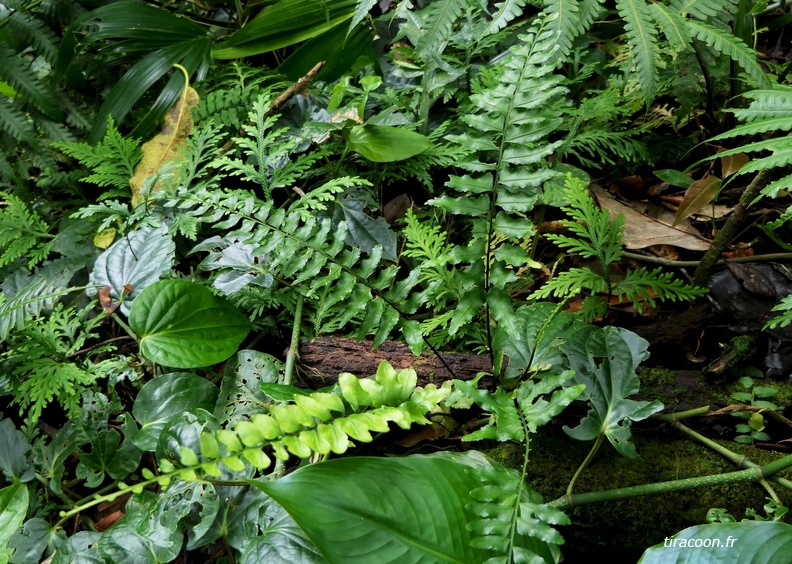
x=185, y=186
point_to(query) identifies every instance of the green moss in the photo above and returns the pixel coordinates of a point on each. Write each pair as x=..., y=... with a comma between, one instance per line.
x=662, y=384
x=621, y=530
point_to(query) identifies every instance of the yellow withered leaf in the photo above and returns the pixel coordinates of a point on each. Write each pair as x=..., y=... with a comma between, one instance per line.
x=166, y=146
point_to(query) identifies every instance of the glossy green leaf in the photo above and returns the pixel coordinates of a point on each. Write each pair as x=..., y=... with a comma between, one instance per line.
x=394, y=510
x=364, y=231
x=13, y=507
x=282, y=24
x=338, y=51
x=674, y=177
x=14, y=449
x=748, y=542
x=382, y=143
x=165, y=397
x=182, y=324
x=605, y=360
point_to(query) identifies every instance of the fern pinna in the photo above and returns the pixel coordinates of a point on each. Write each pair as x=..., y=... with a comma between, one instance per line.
x=508, y=129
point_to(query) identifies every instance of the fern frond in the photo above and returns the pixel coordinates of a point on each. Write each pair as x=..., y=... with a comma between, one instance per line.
x=785, y=318
x=29, y=30
x=15, y=72
x=572, y=18
x=768, y=105
x=14, y=122
x=438, y=18
x=673, y=26
x=506, y=11
x=725, y=42
x=112, y=161
x=706, y=10
x=27, y=303
x=642, y=285
x=23, y=233
x=570, y=283
x=642, y=38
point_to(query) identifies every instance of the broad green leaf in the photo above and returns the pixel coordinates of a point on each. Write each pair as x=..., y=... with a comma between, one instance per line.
x=165, y=397
x=13, y=507
x=338, y=48
x=133, y=263
x=36, y=534
x=182, y=324
x=674, y=177
x=108, y=454
x=284, y=23
x=748, y=542
x=605, y=360
x=394, y=510
x=382, y=143
x=14, y=449
x=364, y=231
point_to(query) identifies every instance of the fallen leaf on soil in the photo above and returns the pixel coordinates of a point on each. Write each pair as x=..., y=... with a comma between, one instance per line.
x=641, y=231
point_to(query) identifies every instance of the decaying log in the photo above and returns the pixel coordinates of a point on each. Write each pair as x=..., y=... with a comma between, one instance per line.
x=323, y=358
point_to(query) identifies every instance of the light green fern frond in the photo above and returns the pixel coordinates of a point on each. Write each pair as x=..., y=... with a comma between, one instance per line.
x=720, y=11
x=642, y=39
x=673, y=25
x=507, y=11
x=725, y=42
x=112, y=161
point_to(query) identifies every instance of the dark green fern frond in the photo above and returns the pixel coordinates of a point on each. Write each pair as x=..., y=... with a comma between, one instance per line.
x=17, y=73
x=642, y=38
x=673, y=25
x=25, y=29
x=16, y=123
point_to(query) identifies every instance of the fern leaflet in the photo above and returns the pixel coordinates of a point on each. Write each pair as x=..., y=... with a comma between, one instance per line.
x=642, y=38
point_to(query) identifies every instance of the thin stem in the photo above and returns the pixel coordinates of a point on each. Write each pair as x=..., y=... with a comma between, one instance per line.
x=294, y=351
x=124, y=326
x=749, y=475
x=692, y=263
x=585, y=463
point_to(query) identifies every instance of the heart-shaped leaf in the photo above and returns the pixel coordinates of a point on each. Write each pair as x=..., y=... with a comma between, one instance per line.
x=183, y=325
x=168, y=396
x=135, y=261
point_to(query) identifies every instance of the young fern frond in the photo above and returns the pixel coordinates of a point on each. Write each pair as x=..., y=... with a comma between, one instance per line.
x=112, y=161
x=596, y=235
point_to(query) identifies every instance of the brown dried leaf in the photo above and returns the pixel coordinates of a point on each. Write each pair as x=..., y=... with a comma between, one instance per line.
x=106, y=301
x=641, y=231
x=697, y=196
x=732, y=163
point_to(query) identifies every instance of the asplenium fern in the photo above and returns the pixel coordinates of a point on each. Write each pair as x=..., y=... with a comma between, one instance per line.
x=595, y=235
x=508, y=126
